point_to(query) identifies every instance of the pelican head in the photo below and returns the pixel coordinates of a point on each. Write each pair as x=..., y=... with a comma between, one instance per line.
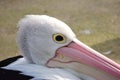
x=47, y=41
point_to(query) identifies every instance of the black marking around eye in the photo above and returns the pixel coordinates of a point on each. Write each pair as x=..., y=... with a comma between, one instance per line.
x=59, y=38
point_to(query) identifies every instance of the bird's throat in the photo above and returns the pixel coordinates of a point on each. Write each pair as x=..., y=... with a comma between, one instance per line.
x=89, y=71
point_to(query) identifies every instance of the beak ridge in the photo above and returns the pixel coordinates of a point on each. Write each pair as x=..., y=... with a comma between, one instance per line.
x=79, y=52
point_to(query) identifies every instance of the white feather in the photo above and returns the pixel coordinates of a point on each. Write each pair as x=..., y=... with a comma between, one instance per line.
x=41, y=72
x=37, y=46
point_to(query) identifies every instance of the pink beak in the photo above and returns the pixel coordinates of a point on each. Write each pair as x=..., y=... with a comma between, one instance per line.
x=79, y=52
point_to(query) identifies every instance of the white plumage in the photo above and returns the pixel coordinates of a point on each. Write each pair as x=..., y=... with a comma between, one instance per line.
x=40, y=72
x=52, y=52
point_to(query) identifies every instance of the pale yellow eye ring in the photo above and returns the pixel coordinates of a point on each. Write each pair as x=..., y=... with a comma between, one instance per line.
x=59, y=38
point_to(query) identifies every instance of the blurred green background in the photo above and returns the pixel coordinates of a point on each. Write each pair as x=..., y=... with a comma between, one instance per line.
x=95, y=22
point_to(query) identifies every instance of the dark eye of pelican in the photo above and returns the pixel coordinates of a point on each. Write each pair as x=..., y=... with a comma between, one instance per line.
x=59, y=38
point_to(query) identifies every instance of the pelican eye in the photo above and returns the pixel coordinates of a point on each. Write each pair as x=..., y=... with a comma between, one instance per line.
x=59, y=38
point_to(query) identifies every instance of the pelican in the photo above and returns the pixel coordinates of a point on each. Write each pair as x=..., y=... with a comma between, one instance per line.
x=51, y=51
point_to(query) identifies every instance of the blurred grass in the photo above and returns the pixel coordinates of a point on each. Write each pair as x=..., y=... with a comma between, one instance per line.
x=100, y=16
